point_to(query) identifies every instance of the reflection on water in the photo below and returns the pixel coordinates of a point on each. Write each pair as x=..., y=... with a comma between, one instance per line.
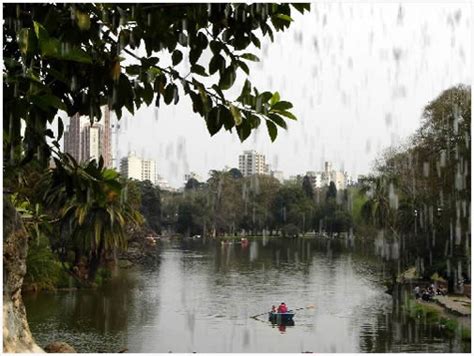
x=200, y=297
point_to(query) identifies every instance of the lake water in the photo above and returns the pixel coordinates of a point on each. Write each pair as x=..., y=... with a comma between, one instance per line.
x=199, y=296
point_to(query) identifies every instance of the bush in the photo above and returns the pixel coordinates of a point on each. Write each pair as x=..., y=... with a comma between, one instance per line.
x=290, y=230
x=43, y=270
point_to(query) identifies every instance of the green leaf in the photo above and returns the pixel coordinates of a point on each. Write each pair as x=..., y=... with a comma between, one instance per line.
x=201, y=41
x=301, y=7
x=284, y=17
x=83, y=20
x=228, y=78
x=48, y=101
x=278, y=120
x=199, y=70
x=282, y=106
x=272, y=130
x=133, y=69
x=250, y=57
x=219, y=92
x=169, y=93
x=216, y=46
x=194, y=55
x=255, y=40
x=244, y=131
x=236, y=115
x=265, y=96
x=40, y=31
x=60, y=128
x=152, y=73
x=246, y=89
x=197, y=102
x=147, y=94
x=244, y=67
x=288, y=115
x=177, y=57
x=275, y=98
x=226, y=117
x=214, y=121
x=26, y=41
x=254, y=121
x=217, y=63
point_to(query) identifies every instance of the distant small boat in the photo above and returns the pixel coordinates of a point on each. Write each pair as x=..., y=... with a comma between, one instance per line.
x=281, y=317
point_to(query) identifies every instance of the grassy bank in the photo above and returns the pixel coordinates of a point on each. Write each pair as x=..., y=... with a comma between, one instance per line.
x=435, y=314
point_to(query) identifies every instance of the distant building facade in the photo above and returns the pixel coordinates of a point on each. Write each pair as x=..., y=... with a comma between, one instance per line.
x=137, y=168
x=84, y=140
x=324, y=178
x=163, y=184
x=251, y=162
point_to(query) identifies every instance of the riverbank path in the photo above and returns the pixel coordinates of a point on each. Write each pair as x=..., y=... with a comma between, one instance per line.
x=460, y=305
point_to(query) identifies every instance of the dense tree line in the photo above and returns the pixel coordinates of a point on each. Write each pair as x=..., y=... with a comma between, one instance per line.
x=230, y=204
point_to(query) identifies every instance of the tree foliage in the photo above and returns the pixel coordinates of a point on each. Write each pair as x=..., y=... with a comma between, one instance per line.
x=79, y=57
x=422, y=191
x=150, y=206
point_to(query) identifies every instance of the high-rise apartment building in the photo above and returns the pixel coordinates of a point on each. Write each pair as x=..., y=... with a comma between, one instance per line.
x=135, y=167
x=251, y=162
x=85, y=141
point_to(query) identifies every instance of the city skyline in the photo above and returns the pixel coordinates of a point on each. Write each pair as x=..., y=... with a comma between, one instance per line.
x=354, y=92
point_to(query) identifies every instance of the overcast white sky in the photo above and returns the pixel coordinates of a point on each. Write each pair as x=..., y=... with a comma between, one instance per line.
x=358, y=75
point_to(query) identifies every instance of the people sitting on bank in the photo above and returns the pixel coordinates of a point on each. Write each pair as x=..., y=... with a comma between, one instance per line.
x=431, y=291
x=416, y=290
x=282, y=308
x=425, y=295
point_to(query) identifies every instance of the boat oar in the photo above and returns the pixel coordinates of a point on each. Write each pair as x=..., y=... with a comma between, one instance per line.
x=256, y=316
x=311, y=306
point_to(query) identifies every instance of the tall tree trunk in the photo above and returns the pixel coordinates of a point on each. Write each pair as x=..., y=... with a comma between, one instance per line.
x=16, y=332
x=95, y=261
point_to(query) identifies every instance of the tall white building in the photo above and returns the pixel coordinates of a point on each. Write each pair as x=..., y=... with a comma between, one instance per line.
x=251, y=162
x=85, y=141
x=135, y=167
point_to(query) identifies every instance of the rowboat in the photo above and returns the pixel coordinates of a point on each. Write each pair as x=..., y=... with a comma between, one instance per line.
x=281, y=317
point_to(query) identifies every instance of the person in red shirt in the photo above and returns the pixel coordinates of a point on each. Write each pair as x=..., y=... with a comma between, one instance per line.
x=282, y=308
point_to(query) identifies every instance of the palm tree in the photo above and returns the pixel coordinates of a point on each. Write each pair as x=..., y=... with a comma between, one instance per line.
x=92, y=211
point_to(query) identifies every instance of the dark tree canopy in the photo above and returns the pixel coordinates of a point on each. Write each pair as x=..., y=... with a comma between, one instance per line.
x=235, y=173
x=192, y=184
x=308, y=187
x=150, y=204
x=332, y=191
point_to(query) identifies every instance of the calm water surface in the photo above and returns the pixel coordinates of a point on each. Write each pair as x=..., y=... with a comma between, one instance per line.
x=199, y=297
